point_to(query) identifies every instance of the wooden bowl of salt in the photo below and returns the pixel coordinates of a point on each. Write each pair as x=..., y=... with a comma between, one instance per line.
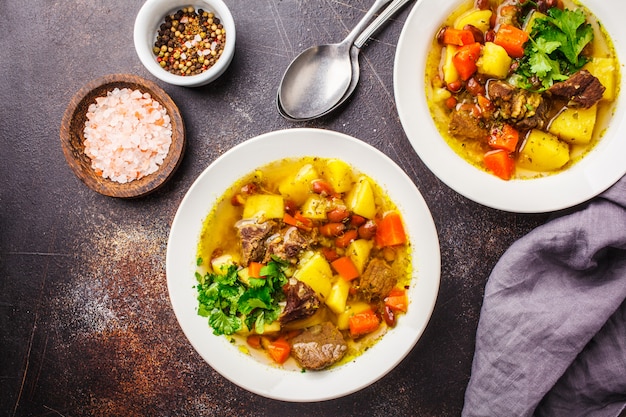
x=123, y=136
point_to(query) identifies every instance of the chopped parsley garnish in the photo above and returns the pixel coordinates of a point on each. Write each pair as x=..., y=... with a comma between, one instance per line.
x=229, y=303
x=553, y=51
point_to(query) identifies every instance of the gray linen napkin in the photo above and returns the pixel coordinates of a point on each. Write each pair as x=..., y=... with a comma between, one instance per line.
x=551, y=339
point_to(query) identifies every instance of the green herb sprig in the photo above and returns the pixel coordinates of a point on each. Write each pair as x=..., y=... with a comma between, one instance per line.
x=553, y=51
x=229, y=303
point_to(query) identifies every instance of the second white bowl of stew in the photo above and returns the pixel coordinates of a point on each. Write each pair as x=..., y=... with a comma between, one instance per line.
x=514, y=103
x=303, y=265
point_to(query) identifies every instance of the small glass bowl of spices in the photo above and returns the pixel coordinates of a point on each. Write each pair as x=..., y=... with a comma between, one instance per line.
x=182, y=43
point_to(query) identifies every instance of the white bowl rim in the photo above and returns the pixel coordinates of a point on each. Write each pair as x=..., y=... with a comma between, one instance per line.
x=148, y=19
x=243, y=370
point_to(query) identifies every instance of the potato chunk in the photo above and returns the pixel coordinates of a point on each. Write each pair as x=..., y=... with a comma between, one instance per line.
x=575, y=125
x=298, y=187
x=264, y=205
x=480, y=19
x=450, y=73
x=360, y=200
x=221, y=263
x=494, y=61
x=440, y=95
x=338, y=295
x=315, y=207
x=315, y=271
x=359, y=252
x=339, y=175
x=604, y=70
x=542, y=151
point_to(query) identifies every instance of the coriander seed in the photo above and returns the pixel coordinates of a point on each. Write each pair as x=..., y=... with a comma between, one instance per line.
x=186, y=39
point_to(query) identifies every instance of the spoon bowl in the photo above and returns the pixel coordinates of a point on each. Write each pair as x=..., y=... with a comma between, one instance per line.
x=313, y=88
x=318, y=78
x=354, y=61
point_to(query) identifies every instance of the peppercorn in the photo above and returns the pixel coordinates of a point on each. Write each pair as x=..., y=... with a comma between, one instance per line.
x=189, y=42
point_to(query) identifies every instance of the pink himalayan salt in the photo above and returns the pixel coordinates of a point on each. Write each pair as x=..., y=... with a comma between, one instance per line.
x=127, y=135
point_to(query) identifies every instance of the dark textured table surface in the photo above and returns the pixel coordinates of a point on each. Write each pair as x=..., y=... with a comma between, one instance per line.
x=85, y=319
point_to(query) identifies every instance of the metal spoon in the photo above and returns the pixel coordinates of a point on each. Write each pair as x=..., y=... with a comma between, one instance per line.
x=318, y=77
x=382, y=18
x=354, y=58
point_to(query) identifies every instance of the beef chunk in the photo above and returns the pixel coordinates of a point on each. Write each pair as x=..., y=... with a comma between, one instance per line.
x=319, y=347
x=252, y=236
x=465, y=126
x=302, y=301
x=582, y=89
x=377, y=280
x=287, y=244
x=500, y=90
x=535, y=121
x=524, y=109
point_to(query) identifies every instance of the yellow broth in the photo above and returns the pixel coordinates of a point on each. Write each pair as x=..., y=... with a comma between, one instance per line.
x=473, y=151
x=219, y=239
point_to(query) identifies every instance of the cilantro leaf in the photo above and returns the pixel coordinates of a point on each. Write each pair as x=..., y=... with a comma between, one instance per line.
x=575, y=33
x=257, y=282
x=255, y=298
x=274, y=272
x=540, y=62
x=230, y=278
x=229, y=303
x=554, y=51
x=260, y=317
x=224, y=323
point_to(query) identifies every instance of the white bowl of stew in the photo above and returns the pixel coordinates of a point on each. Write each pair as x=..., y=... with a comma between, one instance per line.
x=423, y=85
x=203, y=236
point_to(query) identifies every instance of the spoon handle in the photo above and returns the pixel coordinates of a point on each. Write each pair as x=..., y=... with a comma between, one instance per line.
x=376, y=7
x=382, y=18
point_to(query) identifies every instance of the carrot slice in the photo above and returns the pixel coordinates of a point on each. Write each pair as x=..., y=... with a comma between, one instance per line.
x=500, y=163
x=512, y=39
x=397, y=300
x=290, y=220
x=345, y=267
x=465, y=60
x=504, y=137
x=458, y=37
x=363, y=323
x=396, y=291
x=298, y=220
x=254, y=269
x=390, y=230
x=485, y=105
x=303, y=222
x=279, y=350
